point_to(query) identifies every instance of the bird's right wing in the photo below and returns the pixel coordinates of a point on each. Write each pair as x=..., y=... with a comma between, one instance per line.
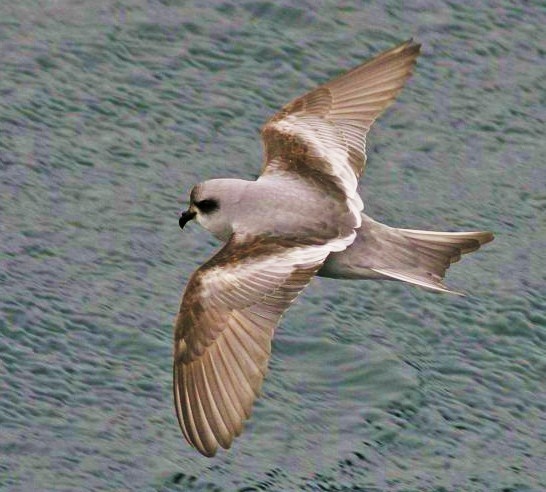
x=223, y=332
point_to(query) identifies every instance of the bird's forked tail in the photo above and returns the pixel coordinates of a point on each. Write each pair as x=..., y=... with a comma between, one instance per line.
x=413, y=256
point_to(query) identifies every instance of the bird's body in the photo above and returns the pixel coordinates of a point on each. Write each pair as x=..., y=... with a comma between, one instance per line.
x=302, y=217
x=275, y=206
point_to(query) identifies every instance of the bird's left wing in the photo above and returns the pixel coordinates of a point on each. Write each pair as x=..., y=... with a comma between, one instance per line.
x=223, y=332
x=321, y=136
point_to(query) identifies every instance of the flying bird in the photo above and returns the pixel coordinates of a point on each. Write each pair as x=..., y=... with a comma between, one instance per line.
x=302, y=217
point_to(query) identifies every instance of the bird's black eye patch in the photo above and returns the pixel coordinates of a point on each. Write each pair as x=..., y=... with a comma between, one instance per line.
x=207, y=206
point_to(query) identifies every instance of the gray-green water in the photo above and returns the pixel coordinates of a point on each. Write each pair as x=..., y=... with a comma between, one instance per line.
x=110, y=111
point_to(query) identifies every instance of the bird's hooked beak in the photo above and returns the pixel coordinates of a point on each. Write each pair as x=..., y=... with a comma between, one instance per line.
x=185, y=217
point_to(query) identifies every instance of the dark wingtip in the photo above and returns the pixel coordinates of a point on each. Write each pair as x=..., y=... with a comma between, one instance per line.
x=412, y=46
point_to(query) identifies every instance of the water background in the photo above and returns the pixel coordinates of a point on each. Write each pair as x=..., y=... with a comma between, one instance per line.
x=111, y=111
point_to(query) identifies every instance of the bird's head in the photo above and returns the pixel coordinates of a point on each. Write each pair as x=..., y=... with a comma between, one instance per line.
x=213, y=204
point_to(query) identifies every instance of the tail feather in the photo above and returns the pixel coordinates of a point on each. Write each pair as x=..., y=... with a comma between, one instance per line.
x=431, y=283
x=465, y=242
x=438, y=251
x=413, y=256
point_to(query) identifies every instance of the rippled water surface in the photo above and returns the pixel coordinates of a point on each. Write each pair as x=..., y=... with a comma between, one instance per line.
x=111, y=111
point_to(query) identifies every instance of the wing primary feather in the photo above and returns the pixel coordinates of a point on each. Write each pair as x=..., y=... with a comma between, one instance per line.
x=241, y=384
x=372, y=90
x=210, y=406
x=232, y=417
x=246, y=367
x=209, y=444
x=178, y=403
x=230, y=383
x=398, y=68
x=189, y=418
x=357, y=98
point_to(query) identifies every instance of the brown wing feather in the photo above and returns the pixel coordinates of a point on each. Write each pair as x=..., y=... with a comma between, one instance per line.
x=223, y=333
x=337, y=116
